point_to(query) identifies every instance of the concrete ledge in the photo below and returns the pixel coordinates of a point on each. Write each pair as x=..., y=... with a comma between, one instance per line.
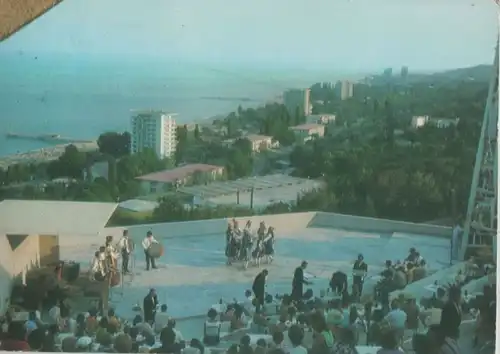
x=361, y=223
x=424, y=287
x=281, y=222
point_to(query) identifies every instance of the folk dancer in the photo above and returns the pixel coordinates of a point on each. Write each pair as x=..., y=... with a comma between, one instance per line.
x=359, y=271
x=269, y=244
x=261, y=232
x=298, y=282
x=259, y=289
x=146, y=244
x=230, y=244
x=246, y=244
x=125, y=246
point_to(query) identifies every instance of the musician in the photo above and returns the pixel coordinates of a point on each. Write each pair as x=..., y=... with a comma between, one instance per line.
x=359, y=271
x=269, y=244
x=149, y=306
x=338, y=282
x=298, y=282
x=259, y=289
x=146, y=244
x=98, y=272
x=111, y=254
x=103, y=260
x=125, y=246
x=412, y=256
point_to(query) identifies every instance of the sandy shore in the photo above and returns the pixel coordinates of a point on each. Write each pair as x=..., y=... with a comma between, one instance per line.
x=44, y=154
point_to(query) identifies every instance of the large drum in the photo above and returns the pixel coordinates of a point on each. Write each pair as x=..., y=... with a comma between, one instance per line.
x=155, y=250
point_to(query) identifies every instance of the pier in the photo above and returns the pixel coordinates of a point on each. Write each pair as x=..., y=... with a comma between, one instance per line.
x=48, y=138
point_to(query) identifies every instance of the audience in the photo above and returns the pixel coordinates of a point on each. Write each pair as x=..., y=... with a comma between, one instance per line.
x=161, y=319
x=390, y=343
x=323, y=336
x=296, y=336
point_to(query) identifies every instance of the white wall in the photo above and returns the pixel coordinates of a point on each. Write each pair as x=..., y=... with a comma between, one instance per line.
x=341, y=221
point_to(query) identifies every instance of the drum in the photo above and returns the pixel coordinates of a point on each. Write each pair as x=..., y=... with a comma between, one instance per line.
x=155, y=250
x=358, y=273
x=115, y=279
x=71, y=271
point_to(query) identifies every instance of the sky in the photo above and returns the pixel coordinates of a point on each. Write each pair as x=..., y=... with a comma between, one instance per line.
x=360, y=35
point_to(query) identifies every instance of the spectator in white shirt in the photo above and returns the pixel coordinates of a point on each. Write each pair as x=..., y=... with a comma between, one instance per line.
x=161, y=319
x=296, y=336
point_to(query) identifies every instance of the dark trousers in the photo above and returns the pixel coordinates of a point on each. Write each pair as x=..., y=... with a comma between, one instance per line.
x=357, y=283
x=259, y=299
x=149, y=317
x=150, y=262
x=125, y=260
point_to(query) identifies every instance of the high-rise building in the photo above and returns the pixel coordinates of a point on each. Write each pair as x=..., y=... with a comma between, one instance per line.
x=297, y=98
x=388, y=73
x=404, y=72
x=154, y=130
x=345, y=89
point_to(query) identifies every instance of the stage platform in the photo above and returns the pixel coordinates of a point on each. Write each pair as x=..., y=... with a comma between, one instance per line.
x=193, y=274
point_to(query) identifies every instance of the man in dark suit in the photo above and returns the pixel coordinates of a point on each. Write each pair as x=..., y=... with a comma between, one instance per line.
x=451, y=317
x=149, y=306
x=298, y=282
x=359, y=271
x=259, y=289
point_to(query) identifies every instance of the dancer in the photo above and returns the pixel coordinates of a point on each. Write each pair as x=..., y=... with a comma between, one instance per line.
x=146, y=244
x=111, y=254
x=259, y=289
x=359, y=271
x=98, y=271
x=246, y=245
x=126, y=246
x=298, y=282
x=149, y=306
x=269, y=244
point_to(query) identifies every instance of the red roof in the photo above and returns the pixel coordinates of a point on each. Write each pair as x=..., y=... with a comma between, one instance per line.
x=178, y=173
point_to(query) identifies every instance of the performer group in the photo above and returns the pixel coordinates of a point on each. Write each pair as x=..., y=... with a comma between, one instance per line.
x=247, y=247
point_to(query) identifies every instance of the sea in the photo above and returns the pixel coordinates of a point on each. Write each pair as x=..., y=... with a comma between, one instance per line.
x=81, y=99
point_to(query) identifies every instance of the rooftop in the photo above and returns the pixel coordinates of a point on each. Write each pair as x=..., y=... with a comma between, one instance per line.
x=308, y=126
x=256, y=137
x=178, y=173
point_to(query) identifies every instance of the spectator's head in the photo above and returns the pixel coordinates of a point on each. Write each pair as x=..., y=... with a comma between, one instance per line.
x=123, y=343
x=111, y=313
x=149, y=234
x=137, y=320
x=248, y=293
x=68, y=345
x=212, y=314
x=103, y=323
x=36, y=339
x=83, y=344
x=171, y=323
x=167, y=337
x=278, y=337
x=261, y=342
x=80, y=319
x=164, y=308
x=440, y=293
x=245, y=341
x=318, y=322
x=296, y=335
x=303, y=265
x=233, y=349
x=388, y=340
x=105, y=339
x=346, y=336
x=388, y=263
x=195, y=343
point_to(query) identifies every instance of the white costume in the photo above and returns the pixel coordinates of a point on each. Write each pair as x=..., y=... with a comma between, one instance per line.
x=147, y=242
x=124, y=244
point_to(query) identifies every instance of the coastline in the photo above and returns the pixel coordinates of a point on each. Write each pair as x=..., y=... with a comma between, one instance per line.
x=44, y=154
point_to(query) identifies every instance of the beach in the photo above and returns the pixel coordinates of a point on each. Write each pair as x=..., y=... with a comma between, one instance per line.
x=42, y=155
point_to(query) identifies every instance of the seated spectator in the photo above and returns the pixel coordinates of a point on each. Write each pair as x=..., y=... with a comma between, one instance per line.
x=233, y=349
x=279, y=341
x=81, y=326
x=345, y=341
x=238, y=321
x=123, y=343
x=178, y=335
x=296, y=336
x=68, y=345
x=55, y=315
x=168, y=344
x=91, y=322
x=245, y=347
x=211, y=332
x=396, y=319
x=444, y=339
x=412, y=313
x=323, y=341
x=15, y=338
x=84, y=344
x=161, y=319
x=247, y=303
x=144, y=328
x=102, y=330
x=114, y=324
x=32, y=322
x=49, y=343
x=390, y=343
x=36, y=338
x=106, y=343
x=196, y=344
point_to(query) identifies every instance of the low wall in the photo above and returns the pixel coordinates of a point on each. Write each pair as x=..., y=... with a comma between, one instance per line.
x=361, y=223
x=281, y=222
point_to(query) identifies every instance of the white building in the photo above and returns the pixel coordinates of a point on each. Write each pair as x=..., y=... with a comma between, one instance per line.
x=154, y=130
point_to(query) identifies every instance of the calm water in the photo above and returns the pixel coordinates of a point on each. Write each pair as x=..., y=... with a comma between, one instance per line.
x=81, y=99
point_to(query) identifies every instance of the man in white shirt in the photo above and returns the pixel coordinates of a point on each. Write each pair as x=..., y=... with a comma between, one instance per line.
x=97, y=271
x=125, y=247
x=146, y=243
x=161, y=319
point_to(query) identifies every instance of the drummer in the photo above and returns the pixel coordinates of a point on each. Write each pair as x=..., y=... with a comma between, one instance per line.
x=146, y=244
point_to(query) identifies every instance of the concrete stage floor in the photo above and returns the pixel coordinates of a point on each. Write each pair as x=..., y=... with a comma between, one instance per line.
x=193, y=274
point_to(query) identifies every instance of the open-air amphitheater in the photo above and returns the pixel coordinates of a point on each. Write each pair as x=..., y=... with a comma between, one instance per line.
x=193, y=275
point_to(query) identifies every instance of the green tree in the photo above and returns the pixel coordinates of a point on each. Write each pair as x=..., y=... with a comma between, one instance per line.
x=114, y=144
x=197, y=132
